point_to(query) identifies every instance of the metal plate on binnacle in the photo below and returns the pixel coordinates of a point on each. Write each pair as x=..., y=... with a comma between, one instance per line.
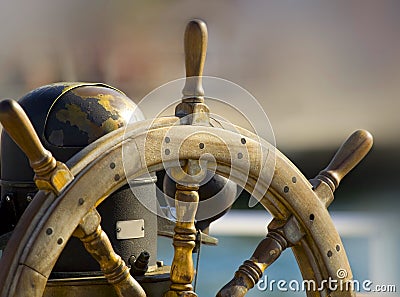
x=130, y=229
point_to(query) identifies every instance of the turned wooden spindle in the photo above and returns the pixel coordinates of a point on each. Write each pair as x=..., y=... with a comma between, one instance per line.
x=250, y=272
x=182, y=270
x=192, y=111
x=99, y=246
x=49, y=174
x=18, y=126
x=352, y=151
x=195, y=44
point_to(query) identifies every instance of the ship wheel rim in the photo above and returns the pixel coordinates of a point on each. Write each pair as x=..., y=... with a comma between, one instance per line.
x=25, y=270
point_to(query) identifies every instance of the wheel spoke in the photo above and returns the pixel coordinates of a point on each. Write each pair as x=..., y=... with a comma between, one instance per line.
x=99, y=246
x=281, y=234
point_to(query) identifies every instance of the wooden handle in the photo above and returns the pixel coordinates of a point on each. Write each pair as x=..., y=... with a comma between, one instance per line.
x=195, y=55
x=352, y=151
x=18, y=126
x=97, y=243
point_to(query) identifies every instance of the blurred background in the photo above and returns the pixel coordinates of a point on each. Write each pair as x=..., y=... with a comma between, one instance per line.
x=320, y=70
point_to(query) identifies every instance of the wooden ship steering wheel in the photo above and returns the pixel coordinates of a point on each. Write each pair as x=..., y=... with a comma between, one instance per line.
x=66, y=204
